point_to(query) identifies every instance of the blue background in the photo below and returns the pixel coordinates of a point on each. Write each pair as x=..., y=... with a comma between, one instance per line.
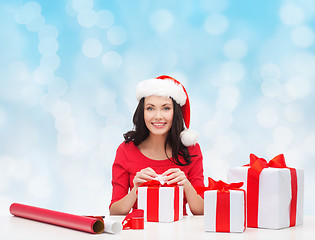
x=69, y=70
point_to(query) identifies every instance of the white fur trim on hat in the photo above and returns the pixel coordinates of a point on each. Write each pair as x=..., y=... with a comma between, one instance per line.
x=163, y=88
x=189, y=137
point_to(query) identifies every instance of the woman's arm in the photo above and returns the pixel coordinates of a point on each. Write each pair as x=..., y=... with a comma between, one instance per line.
x=124, y=205
x=195, y=201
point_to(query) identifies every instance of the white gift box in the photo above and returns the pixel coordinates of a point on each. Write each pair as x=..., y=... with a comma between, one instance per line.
x=161, y=204
x=236, y=214
x=275, y=195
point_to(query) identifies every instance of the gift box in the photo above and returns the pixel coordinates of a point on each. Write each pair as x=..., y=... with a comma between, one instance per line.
x=161, y=202
x=224, y=207
x=134, y=220
x=275, y=192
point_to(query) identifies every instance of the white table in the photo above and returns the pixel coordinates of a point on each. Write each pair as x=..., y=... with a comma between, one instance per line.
x=191, y=227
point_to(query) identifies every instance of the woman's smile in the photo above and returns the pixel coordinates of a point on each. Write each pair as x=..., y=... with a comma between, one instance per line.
x=159, y=124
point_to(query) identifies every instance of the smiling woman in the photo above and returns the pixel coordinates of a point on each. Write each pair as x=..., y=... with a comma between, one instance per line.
x=158, y=145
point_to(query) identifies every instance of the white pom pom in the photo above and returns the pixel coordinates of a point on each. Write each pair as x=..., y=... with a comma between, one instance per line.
x=189, y=137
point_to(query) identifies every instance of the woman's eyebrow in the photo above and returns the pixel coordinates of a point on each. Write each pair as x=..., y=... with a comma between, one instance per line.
x=151, y=104
x=166, y=104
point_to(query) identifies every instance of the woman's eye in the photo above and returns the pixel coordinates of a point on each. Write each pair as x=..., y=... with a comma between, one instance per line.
x=167, y=108
x=149, y=108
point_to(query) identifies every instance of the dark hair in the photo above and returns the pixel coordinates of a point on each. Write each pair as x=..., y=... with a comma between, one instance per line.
x=141, y=132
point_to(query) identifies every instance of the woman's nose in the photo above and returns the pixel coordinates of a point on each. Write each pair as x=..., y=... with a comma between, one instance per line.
x=158, y=114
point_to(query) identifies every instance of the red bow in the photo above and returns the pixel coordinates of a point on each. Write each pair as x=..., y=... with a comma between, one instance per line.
x=156, y=183
x=258, y=164
x=219, y=185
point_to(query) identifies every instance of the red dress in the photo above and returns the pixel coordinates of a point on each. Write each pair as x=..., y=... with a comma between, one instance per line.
x=129, y=160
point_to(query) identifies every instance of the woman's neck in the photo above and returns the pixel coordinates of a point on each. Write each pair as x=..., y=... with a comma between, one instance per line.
x=154, y=147
x=156, y=142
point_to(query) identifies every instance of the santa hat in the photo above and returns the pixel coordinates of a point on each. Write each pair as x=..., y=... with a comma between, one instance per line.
x=166, y=86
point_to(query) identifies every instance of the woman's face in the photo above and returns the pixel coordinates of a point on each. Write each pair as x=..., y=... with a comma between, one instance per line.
x=158, y=114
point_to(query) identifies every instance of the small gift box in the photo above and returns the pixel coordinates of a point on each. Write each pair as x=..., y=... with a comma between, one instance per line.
x=275, y=192
x=224, y=207
x=161, y=202
x=134, y=220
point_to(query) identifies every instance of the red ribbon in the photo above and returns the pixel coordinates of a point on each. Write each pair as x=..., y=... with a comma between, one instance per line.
x=134, y=220
x=156, y=183
x=153, y=199
x=223, y=201
x=219, y=185
x=223, y=212
x=176, y=203
x=256, y=166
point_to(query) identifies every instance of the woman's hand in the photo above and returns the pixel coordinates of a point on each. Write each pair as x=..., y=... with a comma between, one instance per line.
x=175, y=175
x=143, y=176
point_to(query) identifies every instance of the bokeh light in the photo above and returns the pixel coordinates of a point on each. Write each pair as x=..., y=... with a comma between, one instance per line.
x=36, y=24
x=271, y=88
x=43, y=74
x=291, y=14
x=48, y=46
x=234, y=71
x=61, y=109
x=81, y=5
x=235, y=49
x=105, y=19
x=216, y=24
x=92, y=48
x=18, y=71
x=267, y=117
x=112, y=61
x=116, y=35
x=161, y=20
x=47, y=101
x=48, y=31
x=270, y=71
x=283, y=135
x=294, y=112
x=298, y=86
x=87, y=18
x=302, y=36
x=51, y=61
x=28, y=12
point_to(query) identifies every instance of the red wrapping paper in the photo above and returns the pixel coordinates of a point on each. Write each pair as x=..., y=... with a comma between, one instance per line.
x=82, y=223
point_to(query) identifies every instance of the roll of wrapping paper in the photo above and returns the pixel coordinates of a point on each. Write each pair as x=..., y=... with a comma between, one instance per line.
x=82, y=223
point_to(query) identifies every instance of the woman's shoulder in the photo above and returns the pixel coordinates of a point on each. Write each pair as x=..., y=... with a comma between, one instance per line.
x=126, y=146
x=125, y=152
x=194, y=149
x=129, y=149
